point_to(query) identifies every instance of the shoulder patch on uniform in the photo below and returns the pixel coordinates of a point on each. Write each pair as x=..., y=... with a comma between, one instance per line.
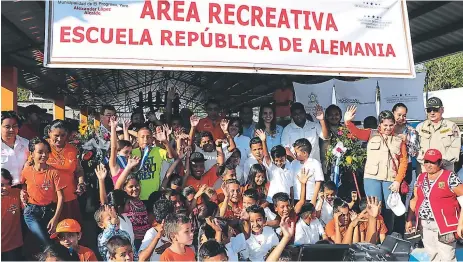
x=425, y=131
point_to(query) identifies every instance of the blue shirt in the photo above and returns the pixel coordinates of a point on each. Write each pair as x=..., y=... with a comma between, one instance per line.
x=275, y=139
x=249, y=132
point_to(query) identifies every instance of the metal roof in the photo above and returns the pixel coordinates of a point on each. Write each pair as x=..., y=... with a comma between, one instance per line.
x=436, y=30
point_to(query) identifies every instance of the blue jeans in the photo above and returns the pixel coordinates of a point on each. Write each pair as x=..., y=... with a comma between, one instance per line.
x=37, y=218
x=380, y=189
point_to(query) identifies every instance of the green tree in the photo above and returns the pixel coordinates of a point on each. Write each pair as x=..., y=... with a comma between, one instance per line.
x=444, y=73
x=23, y=94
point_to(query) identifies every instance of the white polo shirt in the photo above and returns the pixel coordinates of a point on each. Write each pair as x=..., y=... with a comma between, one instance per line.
x=149, y=236
x=308, y=234
x=247, y=166
x=259, y=245
x=315, y=168
x=311, y=131
x=280, y=179
x=13, y=159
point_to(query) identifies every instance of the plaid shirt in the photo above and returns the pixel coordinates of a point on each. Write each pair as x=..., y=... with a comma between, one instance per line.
x=103, y=237
x=412, y=142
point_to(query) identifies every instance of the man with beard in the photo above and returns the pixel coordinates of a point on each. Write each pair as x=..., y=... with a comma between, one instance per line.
x=438, y=133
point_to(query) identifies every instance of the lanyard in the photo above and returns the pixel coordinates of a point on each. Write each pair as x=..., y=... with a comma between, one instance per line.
x=121, y=161
x=145, y=156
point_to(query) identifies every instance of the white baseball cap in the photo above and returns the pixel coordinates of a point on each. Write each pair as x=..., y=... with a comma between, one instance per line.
x=394, y=202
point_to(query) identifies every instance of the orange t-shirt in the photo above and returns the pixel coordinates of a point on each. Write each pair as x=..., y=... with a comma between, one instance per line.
x=206, y=124
x=229, y=212
x=380, y=225
x=11, y=220
x=330, y=230
x=41, y=185
x=208, y=179
x=280, y=96
x=169, y=255
x=86, y=254
x=65, y=161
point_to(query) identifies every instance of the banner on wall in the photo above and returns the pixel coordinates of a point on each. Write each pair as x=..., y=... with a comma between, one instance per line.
x=359, y=93
x=406, y=91
x=338, y=37
x=312, y=95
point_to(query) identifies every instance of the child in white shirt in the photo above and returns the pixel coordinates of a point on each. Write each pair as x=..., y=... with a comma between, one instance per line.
x=302, y=147
x=262, y=238
x=324, y=207
x=309, y=230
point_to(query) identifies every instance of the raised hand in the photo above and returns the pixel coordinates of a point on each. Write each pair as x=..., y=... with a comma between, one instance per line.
x=113, y=218
x=319, y=114
x=226, y=193
x=244, y=215
x=133, y=161
x=160, y=135
x=171, y=93
x=113, y=122
x=212, y=222
x=350, y=113
x=224, y=125
x=201, y=191
x=287, y=227
x=261, y=134
x=100, y=172
x=362, y=217
x=373, y=207
x=304, y=176
x=167, y=130
x=126, y=124
x=194, y=120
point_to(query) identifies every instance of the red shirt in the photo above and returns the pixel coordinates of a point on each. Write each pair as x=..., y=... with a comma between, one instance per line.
x=281, y=96
x=208, y=179
x=206, y=124
x=11, y=220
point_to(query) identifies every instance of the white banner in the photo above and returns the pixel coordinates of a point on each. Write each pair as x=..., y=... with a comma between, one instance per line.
x=312, y=95
x=323, y=37
x=360, y=93
x=451, y=101
x=406, y=91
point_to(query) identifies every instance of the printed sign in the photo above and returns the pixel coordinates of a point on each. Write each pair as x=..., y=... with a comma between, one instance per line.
x=329, y=37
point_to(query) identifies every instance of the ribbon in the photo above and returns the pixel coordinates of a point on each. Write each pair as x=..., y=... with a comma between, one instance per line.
x=337, y=177
x=146, y=152
x=121, y=161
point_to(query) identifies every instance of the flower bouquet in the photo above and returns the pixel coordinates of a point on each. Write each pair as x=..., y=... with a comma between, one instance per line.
x=92, y=146
x=353, y=157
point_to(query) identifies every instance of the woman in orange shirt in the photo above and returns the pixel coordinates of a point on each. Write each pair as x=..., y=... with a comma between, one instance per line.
x=63, y=157
x=42, y=192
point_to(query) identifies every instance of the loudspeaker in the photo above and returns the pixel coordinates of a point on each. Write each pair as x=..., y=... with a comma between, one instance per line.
x=396, y=245
x=323, y=252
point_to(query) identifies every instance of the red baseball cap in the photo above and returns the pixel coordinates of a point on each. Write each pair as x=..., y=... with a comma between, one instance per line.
x=66, y=226
x=433, y=155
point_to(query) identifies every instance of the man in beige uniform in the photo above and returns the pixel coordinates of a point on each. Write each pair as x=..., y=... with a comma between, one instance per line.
x=438, y=133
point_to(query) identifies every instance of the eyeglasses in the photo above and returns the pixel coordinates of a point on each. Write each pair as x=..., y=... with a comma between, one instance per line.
x=433, y=109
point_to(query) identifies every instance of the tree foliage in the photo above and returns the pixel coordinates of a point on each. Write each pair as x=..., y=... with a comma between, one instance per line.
x=23, y=94
x=444, y=73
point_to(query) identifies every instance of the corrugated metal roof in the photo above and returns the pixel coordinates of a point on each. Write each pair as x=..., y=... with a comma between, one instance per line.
x=436, y=30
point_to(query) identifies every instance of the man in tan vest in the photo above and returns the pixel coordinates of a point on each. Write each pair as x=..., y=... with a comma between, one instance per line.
x=438, y=133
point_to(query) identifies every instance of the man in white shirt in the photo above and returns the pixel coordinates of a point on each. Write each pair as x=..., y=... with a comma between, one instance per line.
x=301, y=128
x=308, y=228
x=14, y=158
x=302, y=148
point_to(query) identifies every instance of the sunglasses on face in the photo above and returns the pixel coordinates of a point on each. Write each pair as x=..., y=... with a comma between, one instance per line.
x=432, y=109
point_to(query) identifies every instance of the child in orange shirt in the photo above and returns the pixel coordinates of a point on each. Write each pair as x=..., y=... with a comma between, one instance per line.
x=68, y=233
x=43, y=190
x=12, y=241
x=178, y=229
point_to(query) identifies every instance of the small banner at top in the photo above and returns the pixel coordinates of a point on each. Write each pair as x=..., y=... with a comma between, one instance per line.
x=317, y=37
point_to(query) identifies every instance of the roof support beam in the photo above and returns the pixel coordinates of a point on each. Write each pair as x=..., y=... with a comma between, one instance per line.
x=439, y=53
x=444, y=30
x=424, y=9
